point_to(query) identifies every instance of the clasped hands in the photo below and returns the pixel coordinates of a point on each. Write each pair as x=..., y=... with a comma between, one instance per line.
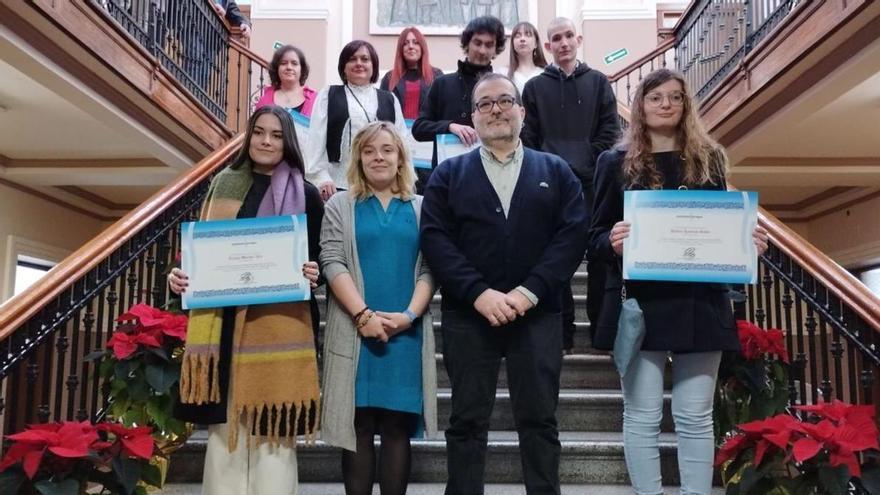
x=499, y=308
x=382, y=325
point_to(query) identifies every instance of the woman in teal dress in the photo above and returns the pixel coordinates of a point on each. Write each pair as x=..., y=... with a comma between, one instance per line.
x=379, y=371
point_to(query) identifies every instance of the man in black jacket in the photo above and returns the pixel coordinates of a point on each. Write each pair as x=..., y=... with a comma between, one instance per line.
x=572, y=112
x=447, y=109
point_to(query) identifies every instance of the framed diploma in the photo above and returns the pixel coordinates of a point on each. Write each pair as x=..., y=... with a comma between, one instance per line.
x=691, y=236
x=448, y=145
x=246, y=261
x=421, y=152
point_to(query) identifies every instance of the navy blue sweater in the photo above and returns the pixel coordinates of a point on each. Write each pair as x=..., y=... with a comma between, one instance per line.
x=470, y=245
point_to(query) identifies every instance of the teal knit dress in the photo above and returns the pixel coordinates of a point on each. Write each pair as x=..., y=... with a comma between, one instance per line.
x=389, y=375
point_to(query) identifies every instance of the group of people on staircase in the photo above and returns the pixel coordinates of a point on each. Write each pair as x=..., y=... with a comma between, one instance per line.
x=500, y=230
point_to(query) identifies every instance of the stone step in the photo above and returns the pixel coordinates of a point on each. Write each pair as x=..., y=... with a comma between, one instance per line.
x=435, y=489
x=578, y=371
x=587, y=457
x=578, y=411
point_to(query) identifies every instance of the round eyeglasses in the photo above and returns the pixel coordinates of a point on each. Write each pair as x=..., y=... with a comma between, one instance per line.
x=504, y=103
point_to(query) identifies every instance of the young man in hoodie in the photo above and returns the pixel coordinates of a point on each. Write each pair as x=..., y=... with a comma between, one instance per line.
x=572, y=112
x=447, y=108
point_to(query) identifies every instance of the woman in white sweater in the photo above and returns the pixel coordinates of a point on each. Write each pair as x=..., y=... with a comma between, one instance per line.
x=341, y=111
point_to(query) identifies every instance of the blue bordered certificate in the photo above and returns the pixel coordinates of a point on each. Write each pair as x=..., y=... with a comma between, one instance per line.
x=246, y=261
x=449, y=145
x=421, y=152
x=691, y=236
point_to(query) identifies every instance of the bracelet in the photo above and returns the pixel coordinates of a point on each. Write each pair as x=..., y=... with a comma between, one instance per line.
x=360, y=313
x=409, y=314
x=366, y=320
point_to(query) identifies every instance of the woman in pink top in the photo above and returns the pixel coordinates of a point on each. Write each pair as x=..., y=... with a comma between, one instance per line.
x=288, y=72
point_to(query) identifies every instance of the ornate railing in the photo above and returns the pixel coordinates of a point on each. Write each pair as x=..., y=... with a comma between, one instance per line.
x=709, y=41
x=46, y=331
x=830, y=318
x=188, y=39
x=248, y=75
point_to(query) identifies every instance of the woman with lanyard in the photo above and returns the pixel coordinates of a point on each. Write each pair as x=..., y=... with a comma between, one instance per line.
x=288, y=72
x=341, y=111
x=666, y=147
x=254, y=398
x=412, y=74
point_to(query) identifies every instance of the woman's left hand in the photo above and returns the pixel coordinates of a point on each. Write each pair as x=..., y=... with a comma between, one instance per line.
x=760, y=237
x=310, y=271
x=399, y=319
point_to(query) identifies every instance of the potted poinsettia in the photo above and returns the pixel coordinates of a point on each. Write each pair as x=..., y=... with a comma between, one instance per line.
x=827, y=449
x=752, y=384
x=67, y=458
x=140, y=373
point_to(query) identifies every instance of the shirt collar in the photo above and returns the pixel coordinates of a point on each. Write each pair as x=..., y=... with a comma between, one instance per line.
x=516, y=155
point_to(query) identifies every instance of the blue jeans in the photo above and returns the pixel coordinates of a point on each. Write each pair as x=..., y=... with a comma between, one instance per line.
x=693, y=390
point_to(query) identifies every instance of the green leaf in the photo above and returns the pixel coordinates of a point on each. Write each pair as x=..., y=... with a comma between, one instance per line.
x=152, y=475
x=749, y=478
x=160, y=353
x=11, y=480
x=161, y=378
x=834, y=479
x=94, y=355
x=106, y=368
x=127, y=472
x=158, y=410
x=125, y=368
x=139, y=389
x=140, y=490
x=66, y=487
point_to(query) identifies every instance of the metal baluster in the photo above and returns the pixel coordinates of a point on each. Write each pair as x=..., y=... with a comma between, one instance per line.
x=760, y=312
x=866, y=378
x=837, y=354
x=72, y=382
x=151, y=291
x=62, y=342
x=789, y=341
x=238, y=94
x=767, y=282
x=811, y=343
x=825, y=351
x=800, y=361
x=88, y=329
x=32, y=373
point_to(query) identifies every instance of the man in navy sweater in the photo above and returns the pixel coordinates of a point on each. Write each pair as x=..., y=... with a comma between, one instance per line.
x=503, y=228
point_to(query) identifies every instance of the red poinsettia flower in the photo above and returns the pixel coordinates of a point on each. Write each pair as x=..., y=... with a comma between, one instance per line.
x=125, y=344
x=70, y=440
x=136, y=442
x=156, y=321
x=755, y=341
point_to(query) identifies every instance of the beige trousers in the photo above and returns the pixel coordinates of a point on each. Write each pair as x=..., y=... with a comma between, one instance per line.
x=263, y=470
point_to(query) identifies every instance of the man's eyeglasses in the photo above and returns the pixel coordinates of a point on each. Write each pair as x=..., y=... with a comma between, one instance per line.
x=676, y=99
x=504, y=103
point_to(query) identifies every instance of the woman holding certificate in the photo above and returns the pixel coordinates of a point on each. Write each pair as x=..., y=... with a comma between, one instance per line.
x=250, y=371
x=665, y=147
x=341, y=111
x=379, y=369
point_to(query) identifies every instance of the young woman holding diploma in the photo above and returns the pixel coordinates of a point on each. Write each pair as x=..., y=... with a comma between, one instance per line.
x=250, y=371
x=666, y=147
x=379, y=368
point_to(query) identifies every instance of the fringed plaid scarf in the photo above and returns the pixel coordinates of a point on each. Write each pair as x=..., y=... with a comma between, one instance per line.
x=273, y=373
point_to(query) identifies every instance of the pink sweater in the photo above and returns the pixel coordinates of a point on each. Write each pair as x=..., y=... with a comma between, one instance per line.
x=268, y=98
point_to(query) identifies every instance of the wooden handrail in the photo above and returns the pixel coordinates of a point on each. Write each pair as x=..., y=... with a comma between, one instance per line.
x=249, y=53
x=662, y=47
x=21, y=308
x=850, y=290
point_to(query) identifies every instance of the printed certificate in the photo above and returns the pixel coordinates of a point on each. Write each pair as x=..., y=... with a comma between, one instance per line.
x=421, y=152
x=691, y=236
x=448, y=145
x=246, y=261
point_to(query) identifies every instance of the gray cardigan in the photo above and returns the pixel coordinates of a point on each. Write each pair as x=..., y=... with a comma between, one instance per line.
x=342, y=342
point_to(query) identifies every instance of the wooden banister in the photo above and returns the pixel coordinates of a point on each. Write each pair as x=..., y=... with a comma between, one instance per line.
x=837, y=280
x=248, y=53
x=26, y=305
x=661, y=48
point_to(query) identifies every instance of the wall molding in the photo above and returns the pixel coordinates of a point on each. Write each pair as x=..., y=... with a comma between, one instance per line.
x=309, y=9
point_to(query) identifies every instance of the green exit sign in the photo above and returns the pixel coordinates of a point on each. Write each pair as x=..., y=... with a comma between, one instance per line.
x=277, y=45
x=615, y=56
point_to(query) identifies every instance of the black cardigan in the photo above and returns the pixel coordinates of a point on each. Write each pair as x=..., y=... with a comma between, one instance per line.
x=470, y=246
x=215, y=413
x=399, y=89
x=679, y=316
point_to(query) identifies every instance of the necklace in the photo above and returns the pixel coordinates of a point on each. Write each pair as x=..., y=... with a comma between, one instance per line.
x=287, y=99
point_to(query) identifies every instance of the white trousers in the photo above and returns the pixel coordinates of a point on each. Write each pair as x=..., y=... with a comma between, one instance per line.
x=263, y=470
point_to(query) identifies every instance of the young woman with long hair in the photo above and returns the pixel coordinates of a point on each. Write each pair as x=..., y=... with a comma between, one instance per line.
x=526, y=55
x=232, y=379
x=379, y=369
x=411, y=75
x=665, y=147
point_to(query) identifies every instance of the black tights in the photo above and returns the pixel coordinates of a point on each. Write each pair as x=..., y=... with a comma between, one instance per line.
x=359, y=468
